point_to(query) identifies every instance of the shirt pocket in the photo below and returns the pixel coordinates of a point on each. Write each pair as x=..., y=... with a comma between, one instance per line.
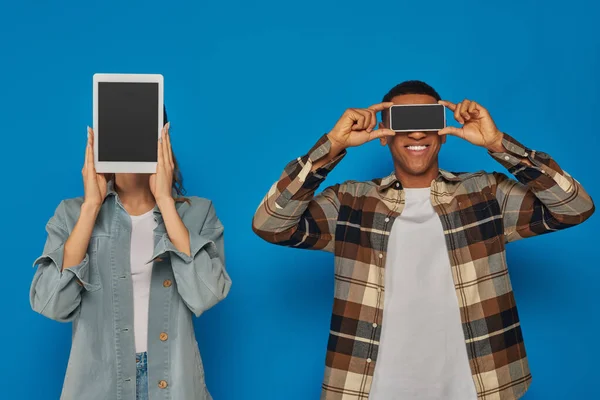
x=481, y=219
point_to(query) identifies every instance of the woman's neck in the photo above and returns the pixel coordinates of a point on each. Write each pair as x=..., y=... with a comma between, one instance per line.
x=134, y=193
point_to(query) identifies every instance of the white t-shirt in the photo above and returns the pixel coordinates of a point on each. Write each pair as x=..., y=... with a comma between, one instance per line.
x=142, y=248
x=422, y=353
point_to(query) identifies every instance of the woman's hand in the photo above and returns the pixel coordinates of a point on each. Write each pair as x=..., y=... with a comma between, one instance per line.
x=94, y=184
x=161, y=183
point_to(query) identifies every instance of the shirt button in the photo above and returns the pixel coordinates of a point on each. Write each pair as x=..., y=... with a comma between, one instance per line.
x=163, y=336
x=543, y=171
x=162, y=384
x=369, y=360
x=167, y=283
x=379, y=289
x=374, y=325
x=507, y=158
x=397, y=185
x=380, y=255
x=387, y=220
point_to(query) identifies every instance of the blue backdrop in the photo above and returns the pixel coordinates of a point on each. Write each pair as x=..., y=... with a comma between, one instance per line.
x=251, y=85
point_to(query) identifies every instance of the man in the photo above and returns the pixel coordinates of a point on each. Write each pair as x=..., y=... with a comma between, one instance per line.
x=430, y=246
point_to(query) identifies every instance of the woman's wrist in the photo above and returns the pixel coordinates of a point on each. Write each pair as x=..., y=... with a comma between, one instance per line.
x=165, y=202
x=91, y=209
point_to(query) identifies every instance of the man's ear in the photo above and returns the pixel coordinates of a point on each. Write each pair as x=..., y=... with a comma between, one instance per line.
x=383, y=140
x=444, y=139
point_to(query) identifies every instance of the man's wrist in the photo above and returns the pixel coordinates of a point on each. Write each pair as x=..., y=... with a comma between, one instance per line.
x=336, y=147
x=497, y=146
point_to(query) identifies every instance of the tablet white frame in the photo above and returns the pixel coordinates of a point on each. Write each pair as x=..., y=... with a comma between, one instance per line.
x=146, y=167
x=412, y=105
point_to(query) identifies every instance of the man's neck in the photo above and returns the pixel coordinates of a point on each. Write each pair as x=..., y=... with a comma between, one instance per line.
x=411, y=181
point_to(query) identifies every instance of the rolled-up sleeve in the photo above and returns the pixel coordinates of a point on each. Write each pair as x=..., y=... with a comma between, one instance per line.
x=290, y=214
x=56, y=292
x=201, y=277
x=544, y=198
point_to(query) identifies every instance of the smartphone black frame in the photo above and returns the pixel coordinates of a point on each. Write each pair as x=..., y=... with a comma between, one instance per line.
x=417, y=117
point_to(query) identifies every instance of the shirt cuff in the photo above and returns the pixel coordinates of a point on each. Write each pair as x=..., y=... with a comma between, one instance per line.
x=197, y=243
x=79, y=271
x=317, y=152
x=514, y=154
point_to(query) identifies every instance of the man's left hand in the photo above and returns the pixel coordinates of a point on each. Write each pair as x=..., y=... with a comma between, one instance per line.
x=478, y=126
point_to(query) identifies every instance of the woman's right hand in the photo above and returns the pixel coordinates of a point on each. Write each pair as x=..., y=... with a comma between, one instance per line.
x=94, y=184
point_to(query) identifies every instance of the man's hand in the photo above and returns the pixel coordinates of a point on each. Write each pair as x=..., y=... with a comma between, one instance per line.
x=478, y=126
x=357, y=127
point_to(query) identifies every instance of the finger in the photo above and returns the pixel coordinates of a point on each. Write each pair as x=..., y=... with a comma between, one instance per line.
x=448, y=104
x=457, y=115
x=368, y=118
x=451, y=130
x=464, y=109
x=169, y=154
x=373, y=120
x=381, y=106
x=91, y=136
x=379, y=133
x=359, y=120
x=90, y=170
x=166, y=163
x=159, y=157
x=474, y=109
x=89, y=156
x=91, y=141
x=87, y=145
x=88, y=150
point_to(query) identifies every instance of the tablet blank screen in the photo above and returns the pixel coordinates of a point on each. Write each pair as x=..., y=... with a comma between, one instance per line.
x=127, y=121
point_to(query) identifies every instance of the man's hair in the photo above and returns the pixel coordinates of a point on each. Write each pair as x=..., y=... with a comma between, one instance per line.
x=409, y=87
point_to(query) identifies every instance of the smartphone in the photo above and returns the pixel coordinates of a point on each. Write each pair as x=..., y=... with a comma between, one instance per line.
x=417, y=117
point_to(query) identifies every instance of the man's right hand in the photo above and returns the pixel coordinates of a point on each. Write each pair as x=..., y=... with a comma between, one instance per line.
x=357, y=127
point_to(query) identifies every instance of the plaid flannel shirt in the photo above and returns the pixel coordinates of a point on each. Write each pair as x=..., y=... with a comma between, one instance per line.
x=480, y=213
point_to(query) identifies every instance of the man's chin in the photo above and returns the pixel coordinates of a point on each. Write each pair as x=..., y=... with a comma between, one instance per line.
x=418, y=171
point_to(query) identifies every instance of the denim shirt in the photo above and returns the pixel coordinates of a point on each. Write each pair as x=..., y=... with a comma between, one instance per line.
x=97, y=297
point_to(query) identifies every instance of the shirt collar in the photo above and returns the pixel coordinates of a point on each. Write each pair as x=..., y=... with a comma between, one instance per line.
x=391, y=180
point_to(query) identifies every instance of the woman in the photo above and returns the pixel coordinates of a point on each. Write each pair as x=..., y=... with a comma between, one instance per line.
x=129, y=263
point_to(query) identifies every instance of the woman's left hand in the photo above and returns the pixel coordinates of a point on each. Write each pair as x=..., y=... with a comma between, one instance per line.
x=161, y=183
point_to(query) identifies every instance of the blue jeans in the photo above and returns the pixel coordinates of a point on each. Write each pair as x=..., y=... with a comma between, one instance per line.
x=141, y=379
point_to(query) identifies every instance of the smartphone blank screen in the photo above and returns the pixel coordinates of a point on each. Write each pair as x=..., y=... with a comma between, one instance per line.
x=417, y=117
x=127, y=121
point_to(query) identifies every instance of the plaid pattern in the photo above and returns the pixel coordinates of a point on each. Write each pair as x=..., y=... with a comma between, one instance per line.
x=480, y=214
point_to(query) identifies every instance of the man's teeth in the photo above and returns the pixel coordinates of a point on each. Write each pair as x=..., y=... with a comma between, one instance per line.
x=417, y=148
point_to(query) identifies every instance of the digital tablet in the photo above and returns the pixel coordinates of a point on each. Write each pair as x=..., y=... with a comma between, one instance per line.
x=128, y=119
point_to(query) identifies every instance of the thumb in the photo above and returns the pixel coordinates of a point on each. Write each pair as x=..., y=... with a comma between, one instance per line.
x=451, y=130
